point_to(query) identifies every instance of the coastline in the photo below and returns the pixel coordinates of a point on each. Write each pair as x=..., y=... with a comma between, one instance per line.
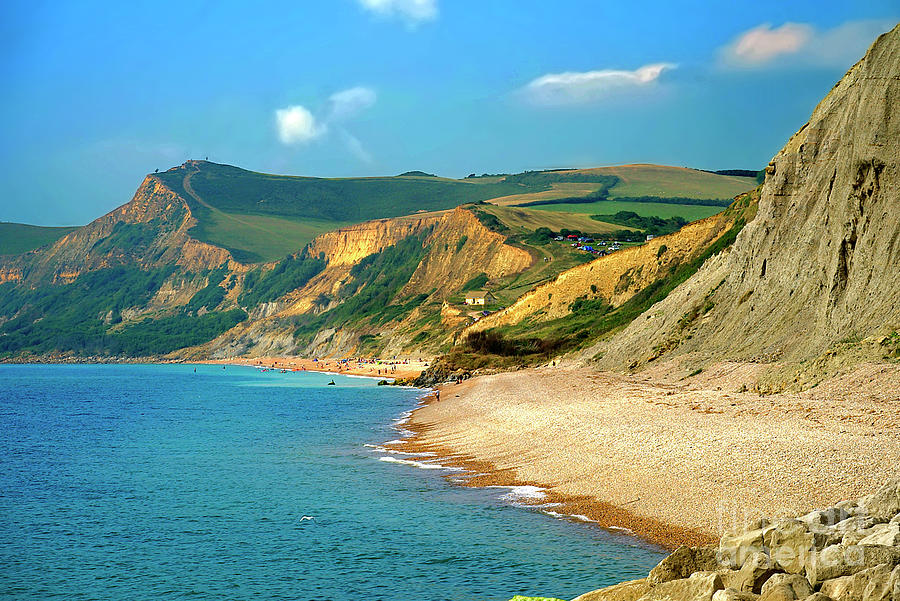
x=387, y=369
x=481, y=473
x=669, y=463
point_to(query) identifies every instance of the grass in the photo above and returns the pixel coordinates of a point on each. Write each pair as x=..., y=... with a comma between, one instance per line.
x=255, y=238
x=529, y=219
x=262, y=217
x=557, y=190
x=18, y=238
x=658, y=180
x=644, y=209
x=238, y=191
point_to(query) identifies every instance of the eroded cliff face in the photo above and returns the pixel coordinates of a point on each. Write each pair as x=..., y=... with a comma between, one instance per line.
x=348, y=245
x=616, y=277
x=150, y=230
x=457, y=248
x=462, y=248
x=819, y=264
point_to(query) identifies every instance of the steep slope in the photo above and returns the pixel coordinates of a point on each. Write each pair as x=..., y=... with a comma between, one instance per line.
x=384, y=279
x=462, y=248
x=151, y=230
x=818, y=265
x=614, y=278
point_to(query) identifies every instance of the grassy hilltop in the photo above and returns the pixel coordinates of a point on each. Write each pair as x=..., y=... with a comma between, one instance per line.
x=17, y=238
x=263, y=217
x=154, y=276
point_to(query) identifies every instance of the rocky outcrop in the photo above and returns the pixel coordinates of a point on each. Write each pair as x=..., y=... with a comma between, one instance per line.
x=151, y=230
x=832, y=554
x=818, y=265
x=347, y=245
x=462, y=248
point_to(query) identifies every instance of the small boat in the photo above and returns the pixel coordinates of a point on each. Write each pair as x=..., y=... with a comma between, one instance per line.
x=332, y=383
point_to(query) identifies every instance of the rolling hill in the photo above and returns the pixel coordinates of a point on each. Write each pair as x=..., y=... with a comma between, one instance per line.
x=18, y=238
x=630, y=181
x=261, y=217
x=214, y=259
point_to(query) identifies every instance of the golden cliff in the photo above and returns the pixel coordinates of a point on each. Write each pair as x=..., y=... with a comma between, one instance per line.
x=457, y=247
x=161, y=220
x=462, y=248
x=616, y=277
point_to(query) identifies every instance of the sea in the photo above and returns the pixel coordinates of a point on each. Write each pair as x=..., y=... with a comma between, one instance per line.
x=210, y=482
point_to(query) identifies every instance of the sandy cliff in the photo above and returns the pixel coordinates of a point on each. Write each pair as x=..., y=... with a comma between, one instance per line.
x=818, y=265
x=616, y=277
x=159, y=220
x=462, y=248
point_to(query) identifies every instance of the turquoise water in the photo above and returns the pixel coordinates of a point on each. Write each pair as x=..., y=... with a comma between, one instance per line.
x=155, y=482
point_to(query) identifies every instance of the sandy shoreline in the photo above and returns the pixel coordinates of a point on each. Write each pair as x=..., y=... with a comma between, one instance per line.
x=376, y=368
x=675, y=463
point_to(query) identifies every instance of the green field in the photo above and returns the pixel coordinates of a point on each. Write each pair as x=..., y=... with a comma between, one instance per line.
x=17, y=238
x=523, y=220
x=644, y=209
x=262, y=217
x=659, y=180
x=255, y=238
x=632, y=181
x=238, y=191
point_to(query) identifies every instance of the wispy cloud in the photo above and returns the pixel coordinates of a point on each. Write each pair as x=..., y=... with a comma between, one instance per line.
x=297, y=125
x=411, y=11
x=589, y=86
x=801, y=43
x=351, y=102
x=355, y=146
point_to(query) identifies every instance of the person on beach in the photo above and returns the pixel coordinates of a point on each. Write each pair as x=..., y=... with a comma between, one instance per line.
x=437, y=395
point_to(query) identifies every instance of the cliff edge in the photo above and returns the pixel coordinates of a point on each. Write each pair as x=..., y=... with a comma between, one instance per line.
x=817, y=267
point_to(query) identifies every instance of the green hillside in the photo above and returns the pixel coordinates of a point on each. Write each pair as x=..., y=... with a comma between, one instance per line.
x=259, y=216
x=629, y=181
x=263, y=217
x=17, y=238
x=645, y=209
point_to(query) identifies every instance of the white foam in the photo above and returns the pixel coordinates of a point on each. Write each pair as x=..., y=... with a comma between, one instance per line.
x=420, y=464
x=521, y=493
x=545, y=505
x=582, y=518
x=380, y=449
x=404, y=417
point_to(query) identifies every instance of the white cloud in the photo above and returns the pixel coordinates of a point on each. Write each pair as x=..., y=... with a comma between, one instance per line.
x=296, y=125
x=583, y=87
x=412, y=11
x=801, y=43
x=762, y=44
x=349, y=103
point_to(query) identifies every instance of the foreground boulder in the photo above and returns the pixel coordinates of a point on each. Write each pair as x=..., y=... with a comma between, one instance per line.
x=840, y=553
x=626, y=591
x=684, y=562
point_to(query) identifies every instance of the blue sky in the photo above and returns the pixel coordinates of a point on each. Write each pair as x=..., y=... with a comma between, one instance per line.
x=97, y=94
